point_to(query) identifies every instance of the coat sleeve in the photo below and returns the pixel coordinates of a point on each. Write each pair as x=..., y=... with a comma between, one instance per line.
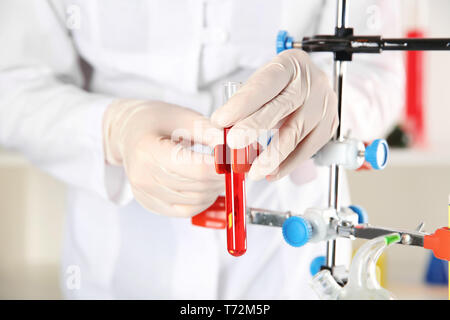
x=373, y=95
x=44, y=113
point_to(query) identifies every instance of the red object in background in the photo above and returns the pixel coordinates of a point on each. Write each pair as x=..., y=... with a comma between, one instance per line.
x=415, y=122
x=439, y=243
x=214, y=217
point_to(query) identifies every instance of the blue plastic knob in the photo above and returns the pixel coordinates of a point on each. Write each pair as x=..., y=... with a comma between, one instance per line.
x=317, y=264
x=284, y=41
x=377, y=154
x=363, y=217
x=296, y=231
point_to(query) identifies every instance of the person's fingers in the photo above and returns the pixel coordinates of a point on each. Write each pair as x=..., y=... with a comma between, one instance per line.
x=307, y=147
x=160, y=205
x=190, y=210
x=247, y=131
x=151, y=203
x=269, y=116
x=144, y=173
x=175, y=159
x=161, y=176
x=172, y=190
x=182, y=197
x=296, y=127
x=161, y=169
x=195, y=128
x=264, y=85
x=168, y=120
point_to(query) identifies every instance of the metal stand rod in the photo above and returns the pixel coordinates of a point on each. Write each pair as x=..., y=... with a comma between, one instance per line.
x=341, y=14
x=333, y=196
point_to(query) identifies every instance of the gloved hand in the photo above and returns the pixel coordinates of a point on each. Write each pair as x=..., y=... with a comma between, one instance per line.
x=152, y=141
x=289, y=93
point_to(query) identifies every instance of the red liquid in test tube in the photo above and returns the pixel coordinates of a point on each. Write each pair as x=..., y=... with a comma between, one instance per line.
x=235, y=207
x=235, y=195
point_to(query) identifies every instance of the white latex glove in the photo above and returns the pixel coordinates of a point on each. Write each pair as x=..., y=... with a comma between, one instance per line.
x=165, y=175
x=289, y=93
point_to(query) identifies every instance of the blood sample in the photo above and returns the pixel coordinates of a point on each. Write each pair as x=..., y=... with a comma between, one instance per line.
x=235, y=195
x=235, y=207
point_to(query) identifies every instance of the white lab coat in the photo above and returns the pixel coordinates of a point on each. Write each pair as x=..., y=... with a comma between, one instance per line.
x=179, y=52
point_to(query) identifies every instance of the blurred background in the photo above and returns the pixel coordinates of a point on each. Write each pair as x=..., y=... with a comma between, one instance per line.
x=414, y=187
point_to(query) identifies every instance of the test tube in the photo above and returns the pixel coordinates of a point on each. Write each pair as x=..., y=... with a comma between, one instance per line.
x=235, y=205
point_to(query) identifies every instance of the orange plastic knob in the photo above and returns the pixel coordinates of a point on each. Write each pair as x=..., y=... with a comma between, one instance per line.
x=439, y=243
